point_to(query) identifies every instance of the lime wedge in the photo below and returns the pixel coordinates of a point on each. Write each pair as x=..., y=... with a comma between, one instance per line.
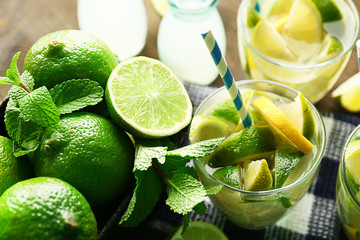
x=228, y=175
x=199, y=230
x=267, y=41
x=257, y=176
x=305, y=22
x=281, y=124
x=328, y=9
x=252, y=17
x=146, y=99
x=332, y=48
x=207, y=127
x=251, y=143
x=352, y=159
x=227, y=111
x=286, y=158
x=160, y=6
x=299, y=113
x=348, y=94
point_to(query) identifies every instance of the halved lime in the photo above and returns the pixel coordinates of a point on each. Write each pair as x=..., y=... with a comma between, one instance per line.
x=332, y=47
x=281, y=124
x=328, y=9
x=251, y=143
x=228, y=175
x=299, y=113
x=267, y=41
x=207, y=127
x=257, y=176
x=198, y=230
x=160, y=6
x=146, y=99
x=348, y=94
x=286, y=158
x=305, y=22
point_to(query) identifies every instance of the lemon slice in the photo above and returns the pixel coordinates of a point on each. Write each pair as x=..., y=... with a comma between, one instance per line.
x=160, y=6
x=332, y=48
x=267, y=41
x=281, y=124
x=305, y=22
x=328, y=9
x=251, y=143
x=207, y=127
x=228, y=175
x=299, y=113
x=257, y=176
x=352, y=159
x=348, y=94
x=281, y=7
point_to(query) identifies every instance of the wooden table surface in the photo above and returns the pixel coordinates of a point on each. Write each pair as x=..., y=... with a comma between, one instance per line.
x=22, y=22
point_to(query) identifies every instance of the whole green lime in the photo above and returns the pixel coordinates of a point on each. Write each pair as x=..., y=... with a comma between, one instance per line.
x=89, y=152
x=45, y=208
x=12, y=169
x=69, y=54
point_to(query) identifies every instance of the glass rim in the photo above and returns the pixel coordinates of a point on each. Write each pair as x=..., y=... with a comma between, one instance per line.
x=299, y=181
x=202, y=8
x=343, y=169
x=240, y=22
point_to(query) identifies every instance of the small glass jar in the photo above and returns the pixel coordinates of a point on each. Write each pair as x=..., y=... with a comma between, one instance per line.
x=180, y=45
x=121, y=24
x=348, y=205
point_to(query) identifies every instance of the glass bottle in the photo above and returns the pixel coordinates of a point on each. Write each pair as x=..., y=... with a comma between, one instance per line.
x=121, y=24
x=180, y=45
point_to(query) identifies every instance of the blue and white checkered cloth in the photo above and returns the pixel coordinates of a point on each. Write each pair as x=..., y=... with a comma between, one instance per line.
x=314, y=217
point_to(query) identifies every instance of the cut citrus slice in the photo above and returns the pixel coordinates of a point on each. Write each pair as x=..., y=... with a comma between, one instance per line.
x=207, y=127
x=281, y=7
x=305, y=22
x=227, y=111
x=348, y=94
x=328, y=9
x=286, y=158
x=299, y=113
x=252, y=17
x=281, y=124
x=352, y=159
x=146, y=99
x=199, y=230
x=267, y=41
x=160, y=6
x=332, y=48
x=228, y=175
x=257, y=176
x=251, y=143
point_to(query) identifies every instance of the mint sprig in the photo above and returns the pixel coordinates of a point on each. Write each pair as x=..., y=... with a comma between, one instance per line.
x=185, y=192
x=29, y=111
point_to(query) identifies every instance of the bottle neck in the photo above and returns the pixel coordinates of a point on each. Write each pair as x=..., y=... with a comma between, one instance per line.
x=192, y=9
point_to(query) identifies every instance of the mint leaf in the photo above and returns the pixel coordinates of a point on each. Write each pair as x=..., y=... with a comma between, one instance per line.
x=196, y=150
x=16, y=93
x=13, y=73
x=39, y=107
x=186, y=221
x=145, y=154
x=5, y=80
x=145, y=196
x=11, y=117
x=28, y=80
x=200, y=208
x=184, y=193
x=76, y=94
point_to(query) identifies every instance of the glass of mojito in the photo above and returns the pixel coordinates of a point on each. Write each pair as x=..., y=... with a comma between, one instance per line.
x=348, y=186
x=304, y=44
x=265, y=169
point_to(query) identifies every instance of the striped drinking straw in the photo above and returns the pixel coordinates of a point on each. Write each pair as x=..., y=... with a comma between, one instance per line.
x=358, y=51
x=226, y=75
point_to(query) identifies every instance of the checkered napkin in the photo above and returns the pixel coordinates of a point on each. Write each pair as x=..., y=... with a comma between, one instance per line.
x=314, y=217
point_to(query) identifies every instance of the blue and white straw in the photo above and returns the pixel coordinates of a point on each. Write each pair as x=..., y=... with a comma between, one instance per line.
x=226, y=75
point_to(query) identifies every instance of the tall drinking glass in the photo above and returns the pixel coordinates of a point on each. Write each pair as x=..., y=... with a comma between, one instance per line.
x=347, y=190
x=305, y=52
x=257, y=209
